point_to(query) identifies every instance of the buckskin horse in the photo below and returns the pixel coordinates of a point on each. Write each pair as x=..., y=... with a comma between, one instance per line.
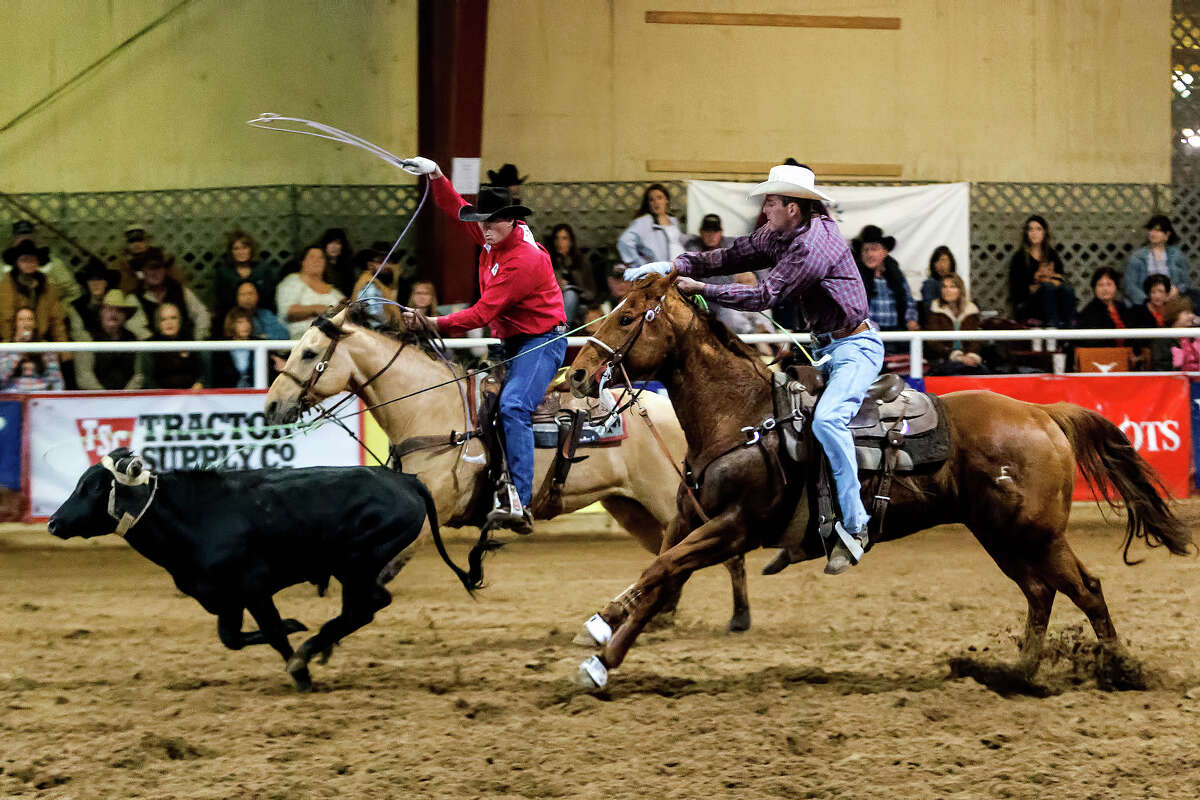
x=1008, y=477
x=635, y=481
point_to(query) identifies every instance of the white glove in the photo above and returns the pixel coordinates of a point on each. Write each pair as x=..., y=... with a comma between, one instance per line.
x=653, y=268
x=418, y=165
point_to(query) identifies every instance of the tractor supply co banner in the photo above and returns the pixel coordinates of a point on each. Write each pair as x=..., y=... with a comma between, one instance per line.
x=66, y=434
x=920, y=217
x=1152, y=411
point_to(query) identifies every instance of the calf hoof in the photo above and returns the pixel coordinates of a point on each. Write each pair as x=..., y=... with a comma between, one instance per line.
x=740, y=622
x=592, y=675
x=291, y=626
x=298, y=670
x=323, y=656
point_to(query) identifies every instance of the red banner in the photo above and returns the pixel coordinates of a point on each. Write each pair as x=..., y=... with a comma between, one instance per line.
x=1154, y=411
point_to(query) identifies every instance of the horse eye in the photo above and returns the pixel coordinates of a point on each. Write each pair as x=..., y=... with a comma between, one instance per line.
x=308, y=354
x=626, y=319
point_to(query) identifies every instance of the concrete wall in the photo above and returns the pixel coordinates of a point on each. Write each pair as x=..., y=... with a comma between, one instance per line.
x=170, y=111
x=1026, y=90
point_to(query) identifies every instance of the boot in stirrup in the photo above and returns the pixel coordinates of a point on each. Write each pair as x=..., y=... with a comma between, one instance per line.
x=848, y=549
x=509, y=512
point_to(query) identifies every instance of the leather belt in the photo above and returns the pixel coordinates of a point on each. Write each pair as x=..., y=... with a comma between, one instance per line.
x=823, y=339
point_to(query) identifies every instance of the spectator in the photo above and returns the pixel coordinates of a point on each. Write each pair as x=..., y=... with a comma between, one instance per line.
x=241, y=264
x=1185, y=353
x=266, y=324
x=573, y=274
x=304, y=295
x=234, y=369
x=654, y=234
x=618, y=287
x=377, y=290
x=339, y=259
x=404, y=267
x=27, y=286
x=83, y=313
x=1155, y=353
x=158, y=287
x=1160, y=256
x=953, y=311
x=1037, y=286
x=711, y=236
x=29, y=372
x=137, y=241
x=941, y=264
x=1106, y=309
x=510, y=178
x=112, y=371
x=173, y=370
x=57, y=272
x=891, y=305
x=423, y=298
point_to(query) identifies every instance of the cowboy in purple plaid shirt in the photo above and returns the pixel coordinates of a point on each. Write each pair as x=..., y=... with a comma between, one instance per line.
x=810, y=265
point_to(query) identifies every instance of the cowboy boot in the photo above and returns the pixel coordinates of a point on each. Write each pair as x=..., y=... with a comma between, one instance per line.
x=847, y=551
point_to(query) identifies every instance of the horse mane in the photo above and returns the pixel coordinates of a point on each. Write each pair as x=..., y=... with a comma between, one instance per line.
x=358, y=314
x=726, y=337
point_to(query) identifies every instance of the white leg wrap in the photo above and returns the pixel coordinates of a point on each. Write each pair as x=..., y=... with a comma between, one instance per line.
x=592, y=674
x=598, y=629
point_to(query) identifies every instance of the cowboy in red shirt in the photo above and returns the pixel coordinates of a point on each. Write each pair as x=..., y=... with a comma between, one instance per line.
x=522, y=303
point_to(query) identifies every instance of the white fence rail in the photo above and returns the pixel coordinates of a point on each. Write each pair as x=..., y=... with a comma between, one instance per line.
x=916, y=343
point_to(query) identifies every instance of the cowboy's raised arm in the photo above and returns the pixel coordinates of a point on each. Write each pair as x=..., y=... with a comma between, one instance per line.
x=444, y=194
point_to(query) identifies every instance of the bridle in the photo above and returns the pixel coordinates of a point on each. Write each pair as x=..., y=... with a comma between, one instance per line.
x=616, y=357
x=335, y=334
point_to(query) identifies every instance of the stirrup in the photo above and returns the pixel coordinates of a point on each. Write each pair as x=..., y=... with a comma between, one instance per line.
x=509, y=512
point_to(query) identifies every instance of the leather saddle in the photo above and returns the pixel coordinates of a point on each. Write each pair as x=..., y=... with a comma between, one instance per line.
x=890, y=412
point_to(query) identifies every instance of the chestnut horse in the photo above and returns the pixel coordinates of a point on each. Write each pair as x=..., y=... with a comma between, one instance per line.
x=1008, y=477
x=635, y=481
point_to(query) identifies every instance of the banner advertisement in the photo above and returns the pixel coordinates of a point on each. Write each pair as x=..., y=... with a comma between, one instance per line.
x=1152, y=411
x=920, y=217
x=10, y=444
x=69, y=433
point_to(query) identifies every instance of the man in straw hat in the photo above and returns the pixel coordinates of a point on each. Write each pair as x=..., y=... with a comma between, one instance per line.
x=521, y=301
x=810, y=265
x=113, y=371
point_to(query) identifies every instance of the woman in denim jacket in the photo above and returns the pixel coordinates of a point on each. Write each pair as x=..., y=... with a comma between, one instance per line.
x=1161, y=256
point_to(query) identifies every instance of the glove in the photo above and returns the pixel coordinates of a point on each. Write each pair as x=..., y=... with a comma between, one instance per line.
x=653, y=268
x=418, y=165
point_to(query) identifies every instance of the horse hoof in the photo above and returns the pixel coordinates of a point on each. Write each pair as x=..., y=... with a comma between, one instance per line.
x=324, y=655
x=298, y=670
x=740, y=622
x=291, y=626
x=592, y=675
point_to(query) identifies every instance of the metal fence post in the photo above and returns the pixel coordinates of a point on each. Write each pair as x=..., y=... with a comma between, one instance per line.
x=260, y=367
x=916, y=357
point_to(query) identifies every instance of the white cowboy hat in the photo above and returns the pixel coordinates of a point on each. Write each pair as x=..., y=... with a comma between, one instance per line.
x=790, y=181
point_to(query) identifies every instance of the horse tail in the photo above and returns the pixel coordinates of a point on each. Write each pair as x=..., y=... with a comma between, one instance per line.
x=470, y=581
x=1109, y=462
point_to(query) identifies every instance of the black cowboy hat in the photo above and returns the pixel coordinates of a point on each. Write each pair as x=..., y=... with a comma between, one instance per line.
x=506, y=176
x=873, y=234
x=26, y=247
x=95, y=269
x=492, y=202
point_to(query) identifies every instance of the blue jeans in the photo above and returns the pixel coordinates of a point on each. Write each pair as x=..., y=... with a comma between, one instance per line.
x=854, y=362
x=528, y=377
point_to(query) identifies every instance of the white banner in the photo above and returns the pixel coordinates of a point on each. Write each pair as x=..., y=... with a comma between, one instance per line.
x=69, y=433
x=920, y=217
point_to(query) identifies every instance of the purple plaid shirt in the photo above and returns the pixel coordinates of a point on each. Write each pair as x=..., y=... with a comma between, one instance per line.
x=810, y=266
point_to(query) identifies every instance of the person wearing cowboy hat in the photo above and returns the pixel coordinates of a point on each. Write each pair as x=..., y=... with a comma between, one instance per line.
x=509, y=178
x=112, y=371
x=59, y=274
x=888, y=297
x=83, y=313
x=522, y=303
x=810, y=265
x=27, y=285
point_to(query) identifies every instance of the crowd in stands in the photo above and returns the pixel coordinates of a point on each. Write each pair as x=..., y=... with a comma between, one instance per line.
x=144, y=295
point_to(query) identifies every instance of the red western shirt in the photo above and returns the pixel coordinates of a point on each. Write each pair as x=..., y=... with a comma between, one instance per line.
x=518, y=291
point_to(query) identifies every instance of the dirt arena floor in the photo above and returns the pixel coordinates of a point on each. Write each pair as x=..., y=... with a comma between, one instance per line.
x=113, y=685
